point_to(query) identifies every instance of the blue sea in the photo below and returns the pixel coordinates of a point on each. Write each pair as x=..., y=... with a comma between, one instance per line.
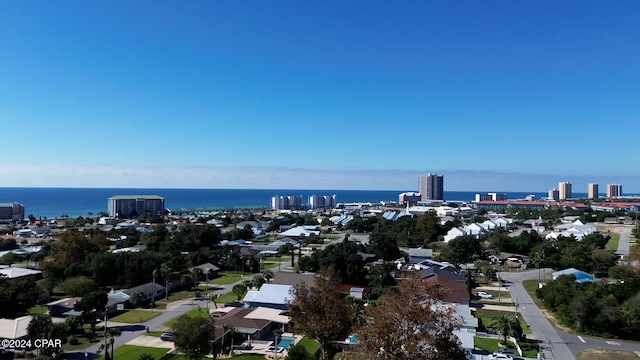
x=74, y=202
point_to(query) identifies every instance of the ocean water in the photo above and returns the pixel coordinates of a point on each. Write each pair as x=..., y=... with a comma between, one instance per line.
x=74, y=202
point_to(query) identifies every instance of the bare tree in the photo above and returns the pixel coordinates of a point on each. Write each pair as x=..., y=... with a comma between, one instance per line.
x=410, y=324
x=320, y=312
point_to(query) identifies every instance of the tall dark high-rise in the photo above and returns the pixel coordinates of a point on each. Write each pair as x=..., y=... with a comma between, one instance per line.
x=431, y=187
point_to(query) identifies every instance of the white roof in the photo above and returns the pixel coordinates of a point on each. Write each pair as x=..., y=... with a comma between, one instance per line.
x=14, y=328
x=270, y=294
x=299, y=231
x=264, y=313
x=16, y=272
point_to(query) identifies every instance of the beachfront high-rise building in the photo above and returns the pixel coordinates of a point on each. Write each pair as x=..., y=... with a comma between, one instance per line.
x=614, y=190
x=129, y=206
x=10, y=212
x=431, y=187
x=322, y=202
x=554, y=194
x=286, y=202
x=565, y=190
x=593, y=191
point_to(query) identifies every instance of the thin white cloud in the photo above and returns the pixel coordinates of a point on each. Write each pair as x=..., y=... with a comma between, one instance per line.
x=52, y=175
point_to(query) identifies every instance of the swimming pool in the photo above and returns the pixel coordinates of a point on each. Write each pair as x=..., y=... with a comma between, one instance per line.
x=285, y=343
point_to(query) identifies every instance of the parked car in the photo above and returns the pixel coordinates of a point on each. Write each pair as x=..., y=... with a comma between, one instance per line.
x=243, y=346
x=166, y=336
x=502, y=357
x=505, y=352
x=484, y=295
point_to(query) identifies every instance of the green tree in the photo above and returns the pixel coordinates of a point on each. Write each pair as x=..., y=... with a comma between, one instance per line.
x=194, y=336
x=507, y=325
x=42, y=327
x=239, y=290
x=91, y=305
x=78, y=286
x=267, y=275
x=320, y=312
x=298, y=352
x=258, y=281
x=461, y=250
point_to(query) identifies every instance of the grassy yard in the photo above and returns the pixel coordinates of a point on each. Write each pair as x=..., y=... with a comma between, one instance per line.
x=135, y=316
x=38, y=309
x=276, y=259
x=612, y=244
x=530, y=350
x=602, y=354
x=224, y=298
x=230, y=277
x=498, y=294
x=487, y=316
x=195, y=312
x=310, y=345
x=84, y=340
x=531, y=286
x=134, y=352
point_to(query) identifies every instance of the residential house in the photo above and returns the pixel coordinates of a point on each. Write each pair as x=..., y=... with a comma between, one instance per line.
x=273, y=296
x=419, y=255
x=251, y=323
x=474, y=230
x=300, y=231
x=454, y=233
x=209, y=270
x=14, y=329
x=146, y=291
x=62, y=307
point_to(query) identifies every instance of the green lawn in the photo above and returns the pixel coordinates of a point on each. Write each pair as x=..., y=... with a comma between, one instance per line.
x=530, y=350
x=531, y=286
x=134, y=352
x=497, y=294
x=310, y=345
x=135, y=316
x=38, y=309
x=83, y=340
x=195, y=312
x=224, y=298
x=612, y=244
x=487, y=316
x=276, y=259
x=230, y=278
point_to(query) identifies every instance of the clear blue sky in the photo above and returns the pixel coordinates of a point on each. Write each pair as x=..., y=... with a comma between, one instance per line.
x=320, y=94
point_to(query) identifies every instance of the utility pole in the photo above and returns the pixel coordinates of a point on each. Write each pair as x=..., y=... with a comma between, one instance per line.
x=153, y=289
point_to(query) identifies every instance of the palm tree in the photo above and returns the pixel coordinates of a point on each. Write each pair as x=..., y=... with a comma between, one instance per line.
x=507, y=325
x=267, y=274
x=165, y=270
x=197, y=274
x=357, y=309
x=239, y=290
x=146, y=356
x=248, y=284
x=258, y=281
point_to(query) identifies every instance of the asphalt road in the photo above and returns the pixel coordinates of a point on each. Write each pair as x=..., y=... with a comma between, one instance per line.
x=555, y=343
x=623, y=243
